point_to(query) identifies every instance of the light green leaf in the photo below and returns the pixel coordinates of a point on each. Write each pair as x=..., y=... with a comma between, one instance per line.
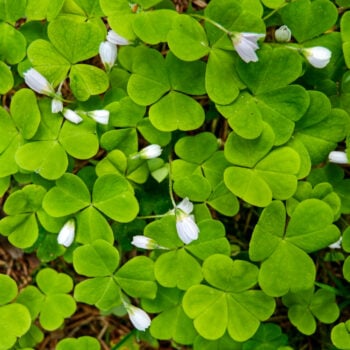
x=12, y=44
x=8, y=289
x=152, y=27
x=308, y=19
x=85, y=342
x=275, y=69
x=15, y=321
x=176, y=111
x=12, y=11
x=51, y=64
x=6, y=78
x=86, y=80
x=97, y=259
x=25, y=112
x=113, y=195
x=177, y=269
x=46, y=158
x=52, y=282
x=75, y=38
x=174, y=324
x=42, y=9
x=187, y=39
x=91, y=225
x=80, y=141
x=100, y=291
x=68, y=196
x=221, y=80
x=136, y=277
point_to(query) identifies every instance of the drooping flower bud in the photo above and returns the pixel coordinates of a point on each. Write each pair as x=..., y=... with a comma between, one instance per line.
x=100, y=116
x=338, y=157
x=72, y=116
x=116, y=39
x=108, y=54
x=186, y=226
x=67, y=233
x=150, y=152
x=138, y=317
x=145, y=242
x=37, y=82
x=317, y=56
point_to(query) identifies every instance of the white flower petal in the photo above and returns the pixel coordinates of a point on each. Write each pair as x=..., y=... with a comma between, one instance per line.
x=186, y=206
x=67, y=233
x=72, y=116
x=337, y=244
x=38, y=82
x=338, y=157
x=144, y=242
x=186, y=227
x=150, y=152
x=317, y=56
x=116, y=39
x=246, y=44
x=100, y=116
x=56, y=105
x=138, y=317
x=108, y=53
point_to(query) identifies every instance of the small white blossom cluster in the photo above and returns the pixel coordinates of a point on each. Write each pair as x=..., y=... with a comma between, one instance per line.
x=246, y=45
x=37, y=82
x=108, y=49
x=186, y=227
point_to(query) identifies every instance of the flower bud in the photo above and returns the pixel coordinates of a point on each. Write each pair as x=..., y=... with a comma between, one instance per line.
x=100, y=116
x=338, y=157
x=72, y=116
x=108, y=54
x=56, y=105
x=67, y=233
x=37, y=82
x=145, y=242
x=116, y=39
x=317, y=56
x=138, y=317
x=150, y=152
x=283, y=34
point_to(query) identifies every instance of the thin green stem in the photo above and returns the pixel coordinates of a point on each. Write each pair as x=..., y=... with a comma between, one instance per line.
x=274, y=11
x=171, y=184
x=216, y=24
x=157, y=216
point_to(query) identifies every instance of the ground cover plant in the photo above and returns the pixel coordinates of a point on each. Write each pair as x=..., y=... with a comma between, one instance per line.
x=174, y=174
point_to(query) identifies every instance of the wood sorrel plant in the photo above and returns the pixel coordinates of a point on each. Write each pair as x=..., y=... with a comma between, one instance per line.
x=200, y=142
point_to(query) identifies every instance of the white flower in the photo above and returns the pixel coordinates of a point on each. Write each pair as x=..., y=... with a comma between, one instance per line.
x=338, y=157
x=317, y=56
x=337, y=244
x=150, y=152
x=99, y=116
x=138, y=317
x=116, y=39
x=72, y=116
x=37, y=82
x=145, y=242
x=56, y=105
x=246, y=44
x=67, y=233
x=186, y=226
x=108, y=53
x=283, y=34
